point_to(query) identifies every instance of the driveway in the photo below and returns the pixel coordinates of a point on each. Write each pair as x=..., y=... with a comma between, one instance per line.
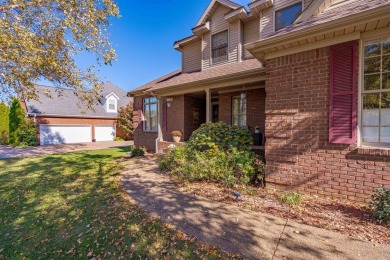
x=10, y=152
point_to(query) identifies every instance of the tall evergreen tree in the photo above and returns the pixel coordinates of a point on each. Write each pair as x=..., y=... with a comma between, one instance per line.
x=3, y=117
x=16, y=119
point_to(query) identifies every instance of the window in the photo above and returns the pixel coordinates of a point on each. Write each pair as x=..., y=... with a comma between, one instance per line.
x=239, y=111
x=219, y=44
x=286, y=16
x=376, y=92
x=111, y=105
x=150, y=114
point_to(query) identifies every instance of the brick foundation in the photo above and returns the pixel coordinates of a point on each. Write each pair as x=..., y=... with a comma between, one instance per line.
x=297, y=150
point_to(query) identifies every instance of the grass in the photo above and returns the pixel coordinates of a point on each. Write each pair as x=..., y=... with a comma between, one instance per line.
x=291, y=198
x=72, y=206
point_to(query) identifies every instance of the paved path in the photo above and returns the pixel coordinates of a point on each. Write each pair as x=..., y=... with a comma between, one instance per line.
x=252, y=234
x=9, y=152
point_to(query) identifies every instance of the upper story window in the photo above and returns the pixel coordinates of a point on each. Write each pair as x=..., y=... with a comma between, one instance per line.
x=239, y=111
x=150, y=114
x=287, y=16
x=376, y=92
x=219, y=45
x=111, y=104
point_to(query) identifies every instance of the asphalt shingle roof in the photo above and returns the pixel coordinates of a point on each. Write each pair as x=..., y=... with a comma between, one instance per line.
x=66, y=103
x=177, y=78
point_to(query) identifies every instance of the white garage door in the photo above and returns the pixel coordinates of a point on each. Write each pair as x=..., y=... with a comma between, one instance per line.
x=104, y=133
x=65, y=134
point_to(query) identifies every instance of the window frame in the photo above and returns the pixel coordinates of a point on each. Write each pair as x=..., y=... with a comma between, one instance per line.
x=285, y=7
x=227, y=47
x=147, y=119
x=369, y=37
x=109, y=110
x=240, y=114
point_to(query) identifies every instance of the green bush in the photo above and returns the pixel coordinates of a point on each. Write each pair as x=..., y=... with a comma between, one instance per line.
x=212, y=137
x=4, y=137
x=380, y=204
x=27, y=134
x=137, y=151
x=118, y=139
x=16, y=119
x=291, y=198
x=231, y=166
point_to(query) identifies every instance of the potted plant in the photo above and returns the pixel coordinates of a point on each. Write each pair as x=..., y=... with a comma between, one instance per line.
x=176, y=136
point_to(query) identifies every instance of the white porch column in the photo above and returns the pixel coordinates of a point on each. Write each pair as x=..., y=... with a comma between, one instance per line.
x=208, y=105
x=159, y=119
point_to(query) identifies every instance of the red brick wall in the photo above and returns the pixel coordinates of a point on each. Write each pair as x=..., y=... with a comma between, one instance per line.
x=297, y=150
x=255, y=108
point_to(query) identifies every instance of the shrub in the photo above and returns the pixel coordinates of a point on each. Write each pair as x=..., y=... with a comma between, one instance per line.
x=231, y=167
x=118, y=139
x=27, y=134
x=220, y=136
x=291, y=198
x=16, y=119
x=4, y=136
x=380, y=204
x=125, y=121
x=138, y=151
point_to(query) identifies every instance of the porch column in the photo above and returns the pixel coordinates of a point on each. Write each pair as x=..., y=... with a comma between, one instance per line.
x=159, y=119
x=208, y=105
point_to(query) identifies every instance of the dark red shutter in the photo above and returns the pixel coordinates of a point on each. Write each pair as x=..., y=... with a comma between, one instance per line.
x=164, y=117
x=343, y=93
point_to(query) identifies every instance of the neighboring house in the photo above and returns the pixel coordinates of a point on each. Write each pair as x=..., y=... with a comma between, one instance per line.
x=64, y=119
x=313, y=75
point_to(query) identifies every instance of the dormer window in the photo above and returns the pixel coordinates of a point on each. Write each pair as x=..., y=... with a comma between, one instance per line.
x=219, y=44
x=286, y=16
x=112, y=104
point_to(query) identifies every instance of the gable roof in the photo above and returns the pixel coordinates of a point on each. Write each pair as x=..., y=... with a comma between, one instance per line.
x=64, y=102
x=212, y=6
x=179, y=79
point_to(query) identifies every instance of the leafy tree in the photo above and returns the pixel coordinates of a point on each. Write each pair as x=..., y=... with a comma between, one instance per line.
x=4, y=123
x=40, y=39
x=16, y=120
x=125, y=121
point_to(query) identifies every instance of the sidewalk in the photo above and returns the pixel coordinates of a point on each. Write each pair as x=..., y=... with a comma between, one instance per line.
x=252, y=234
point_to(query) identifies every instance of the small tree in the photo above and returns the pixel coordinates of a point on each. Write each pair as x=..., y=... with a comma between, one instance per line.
x=16, y=119
x=4, y=123
x=125, y=121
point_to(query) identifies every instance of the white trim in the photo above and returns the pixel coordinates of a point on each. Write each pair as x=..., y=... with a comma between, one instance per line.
x=360, y=93
x=285, y=7
x=108, y=110
x=112, y=94
x=240, y=89
x=240, y=41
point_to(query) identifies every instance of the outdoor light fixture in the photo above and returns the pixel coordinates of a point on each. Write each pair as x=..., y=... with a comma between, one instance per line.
x=169, y=100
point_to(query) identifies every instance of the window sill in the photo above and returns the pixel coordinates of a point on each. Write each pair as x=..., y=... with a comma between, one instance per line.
x=373, y=150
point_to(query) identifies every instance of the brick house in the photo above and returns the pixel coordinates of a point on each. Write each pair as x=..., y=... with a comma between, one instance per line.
x=313, y=75
x=63, y=119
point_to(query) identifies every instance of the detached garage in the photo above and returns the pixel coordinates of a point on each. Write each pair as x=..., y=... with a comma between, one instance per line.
x=65, y=119
x=65, y=134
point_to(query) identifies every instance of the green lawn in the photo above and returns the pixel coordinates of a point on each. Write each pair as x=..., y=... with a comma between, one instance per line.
x=72, y=206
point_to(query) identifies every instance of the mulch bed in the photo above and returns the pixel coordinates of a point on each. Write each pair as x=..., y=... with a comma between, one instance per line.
x=336, y=215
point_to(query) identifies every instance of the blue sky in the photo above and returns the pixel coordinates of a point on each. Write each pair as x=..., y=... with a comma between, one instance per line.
x=143, y=38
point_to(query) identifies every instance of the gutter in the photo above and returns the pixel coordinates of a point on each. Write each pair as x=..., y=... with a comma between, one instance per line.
x=382, y=10
x=68, y=116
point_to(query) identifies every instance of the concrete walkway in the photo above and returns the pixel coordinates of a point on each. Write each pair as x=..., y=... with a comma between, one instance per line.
x=253, y=235
x=10, y=152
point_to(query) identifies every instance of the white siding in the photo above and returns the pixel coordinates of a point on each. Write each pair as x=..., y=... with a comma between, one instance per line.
x=192, y=57
x=268, y=15
x=251, y=34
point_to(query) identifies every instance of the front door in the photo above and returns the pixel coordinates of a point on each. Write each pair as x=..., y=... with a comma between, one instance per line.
x=215, y=111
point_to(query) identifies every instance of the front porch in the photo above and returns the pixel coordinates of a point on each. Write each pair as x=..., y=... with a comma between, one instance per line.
x=242, y=105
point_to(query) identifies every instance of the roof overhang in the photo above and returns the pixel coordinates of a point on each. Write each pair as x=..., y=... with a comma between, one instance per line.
x=258, y=5
x=68, y=116
x=212, y=7
x=201, y=29
x=239, y=14
x=177, y=45
x=243, y=77
x=321, y=35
